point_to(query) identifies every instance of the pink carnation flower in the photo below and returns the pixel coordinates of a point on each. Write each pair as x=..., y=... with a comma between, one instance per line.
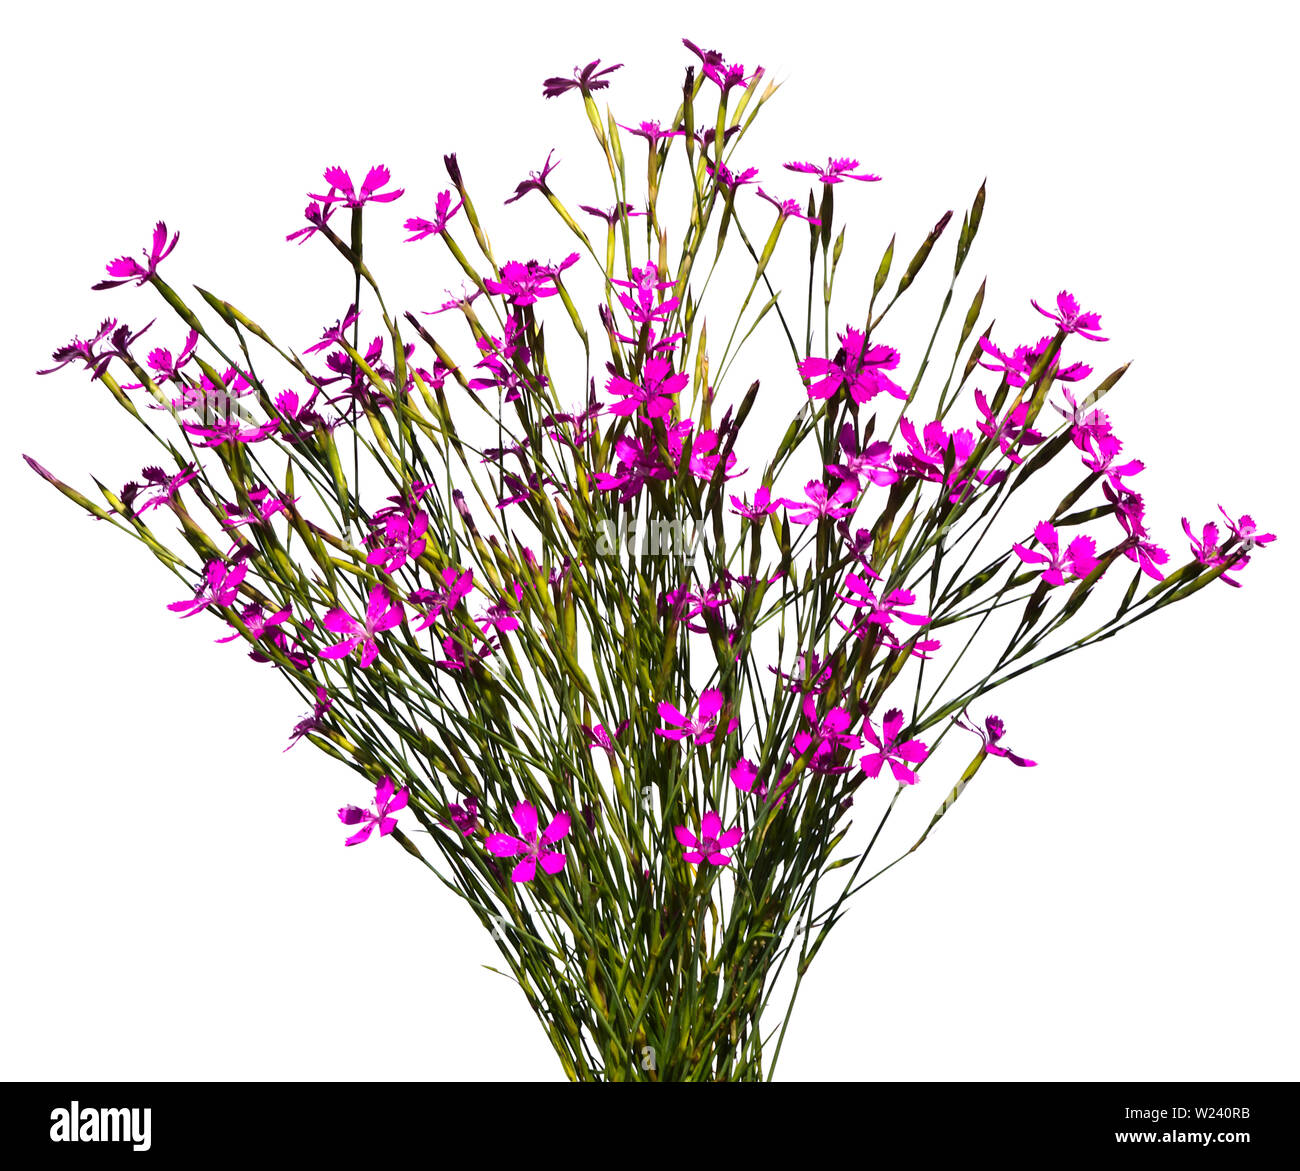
x=709, y=846
x=534, y=847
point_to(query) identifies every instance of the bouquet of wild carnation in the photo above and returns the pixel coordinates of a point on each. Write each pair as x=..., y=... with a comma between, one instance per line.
x=618, y=666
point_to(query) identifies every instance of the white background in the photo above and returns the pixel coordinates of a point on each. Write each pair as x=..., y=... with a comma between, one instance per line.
x=176, y=902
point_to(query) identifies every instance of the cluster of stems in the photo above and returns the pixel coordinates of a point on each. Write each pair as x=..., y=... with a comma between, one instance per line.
x=624, y=709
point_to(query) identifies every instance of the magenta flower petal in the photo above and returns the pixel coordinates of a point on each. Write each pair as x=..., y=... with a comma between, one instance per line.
x=503, y=845
x=872, y=764
x=525, y=816
x=913, y=751
x=361, y=835
x=710, y=704
x=743, y=775
x=902, y=774
x=340, y=621
x=524, y=871
x=558, y=829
